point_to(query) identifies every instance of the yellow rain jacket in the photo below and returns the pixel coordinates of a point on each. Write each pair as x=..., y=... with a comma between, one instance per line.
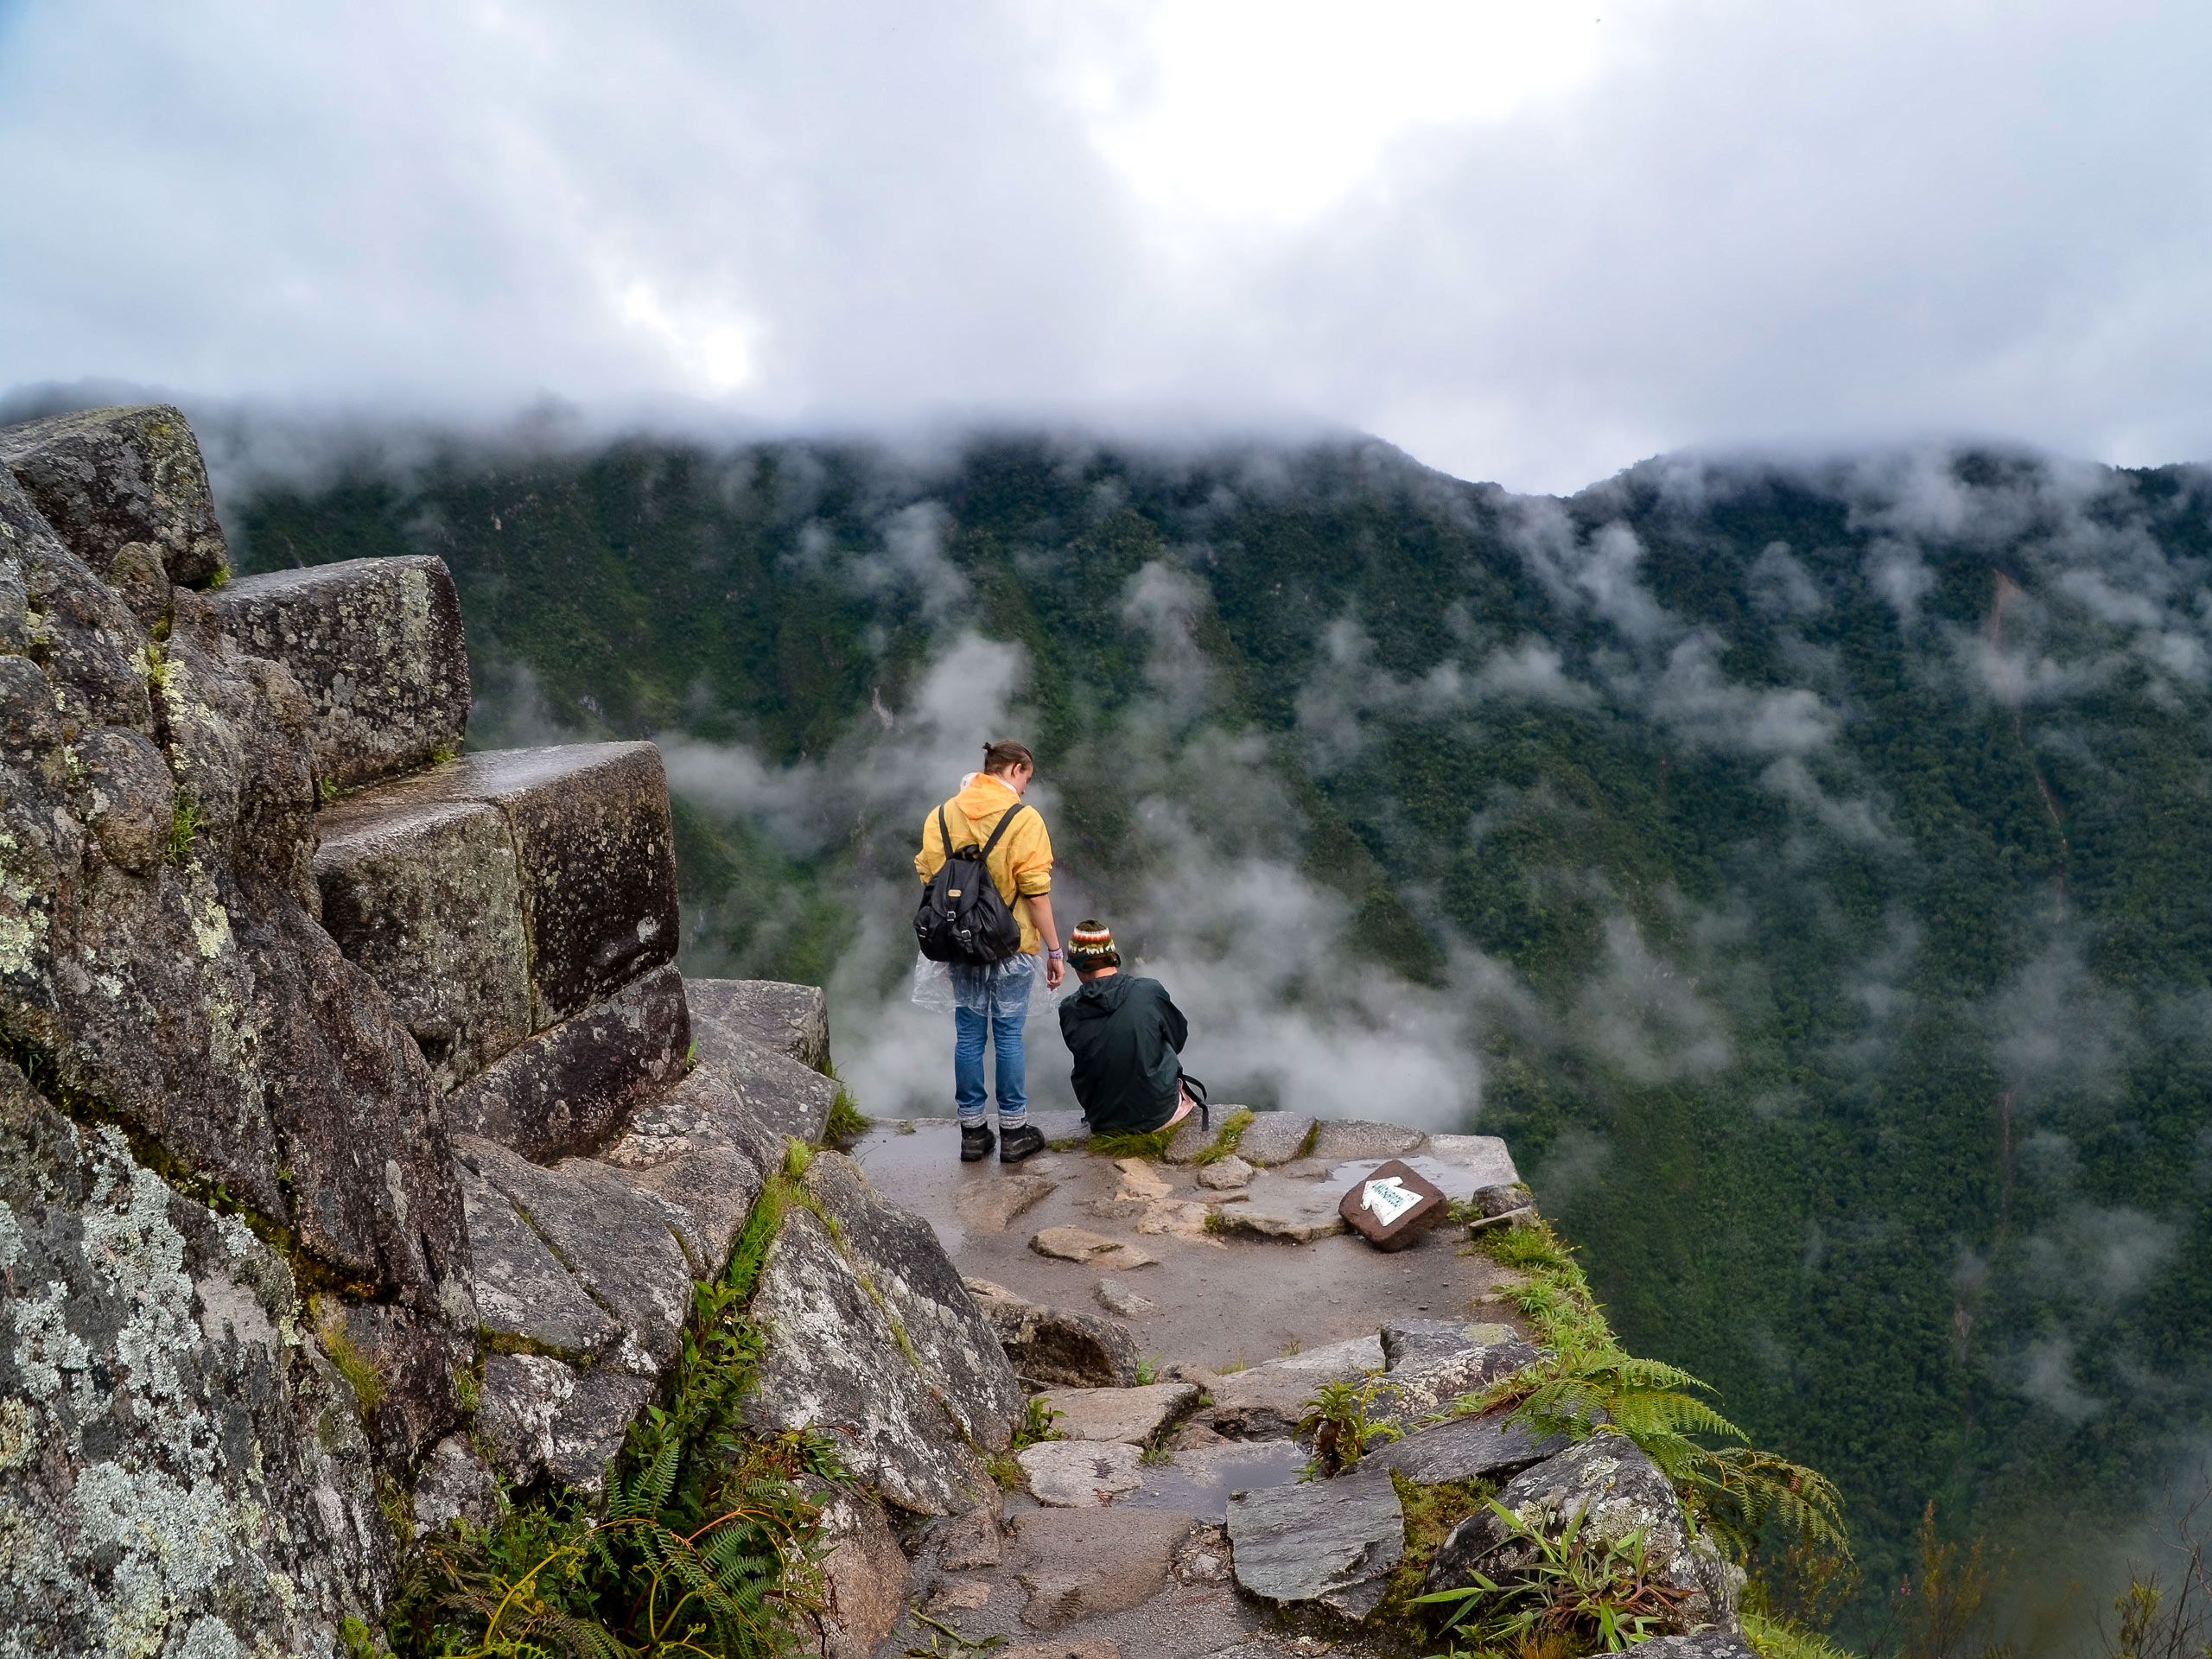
x=1022, y=864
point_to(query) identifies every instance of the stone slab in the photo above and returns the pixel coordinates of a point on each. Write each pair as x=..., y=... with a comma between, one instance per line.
x=619, y=1243
x=793, y=1100
x=948, y=1339
x=833, y=1363
x=1342, y=1139
x=1120, y=1300
x=791, y=1019
x=1088, y=1563
x=1416, y=1342
x=377, y=646
x=1332, y=1542
x=1292, y=1212
x=1483, y=1156
x=1080, y=1244
x=1265, y=1402
x=1453, y=1181
x=1134, y=1415
x=542, y=1420
x=1078, y=1474
x=1048, y=1345
x=426, y=900
x=997, y=1193
x=1417, y=1390
x=596, y=854
x=1467, y=1448
x=1229, y=1174
x=574, y=1088
x=1274, y=1137
x=523, y=1293
x=106, y=478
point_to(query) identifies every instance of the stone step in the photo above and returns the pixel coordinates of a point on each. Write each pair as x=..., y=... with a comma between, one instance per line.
x=107, y=478
x=792, y=1099
x=574, y=1088
x=377, y=646
x=793, y=1020
x=430, y=881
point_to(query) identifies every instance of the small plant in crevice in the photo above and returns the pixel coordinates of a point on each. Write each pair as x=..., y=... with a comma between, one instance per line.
x=359, y=1370
x=1577, y=1593
x=1335, y=1425
x=847, y=1123
x=184, y=825
x=1037, y=1419
x=1148, y=1369
x=1152, y=1146
x=707, y=1541
x=1225, y=1143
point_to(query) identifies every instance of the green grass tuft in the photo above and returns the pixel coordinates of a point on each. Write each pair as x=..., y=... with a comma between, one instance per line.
x=359, y=1370
x=1153, y=1146
x=846, y=1124
x=1224, y=1144
x=184, y=825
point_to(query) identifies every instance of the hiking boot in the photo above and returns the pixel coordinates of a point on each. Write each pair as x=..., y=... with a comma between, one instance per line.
x=976, y=1142
x=1024, y=1142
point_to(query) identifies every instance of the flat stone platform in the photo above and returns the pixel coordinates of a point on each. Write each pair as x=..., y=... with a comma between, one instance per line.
x=1223, y=1300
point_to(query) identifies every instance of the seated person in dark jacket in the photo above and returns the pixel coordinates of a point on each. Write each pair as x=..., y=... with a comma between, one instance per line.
x=1126, y=1035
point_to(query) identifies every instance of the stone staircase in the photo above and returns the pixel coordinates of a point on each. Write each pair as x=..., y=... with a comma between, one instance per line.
x=612, y=1126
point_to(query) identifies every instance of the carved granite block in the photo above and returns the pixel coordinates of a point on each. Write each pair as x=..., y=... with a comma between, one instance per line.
x=105, y=478
x=376, y=643
x=595, y=855
x=426, y=899
x=574, y=1088
x=793, y=1020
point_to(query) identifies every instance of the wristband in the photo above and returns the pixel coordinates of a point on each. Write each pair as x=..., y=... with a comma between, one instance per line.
x=1055, y=955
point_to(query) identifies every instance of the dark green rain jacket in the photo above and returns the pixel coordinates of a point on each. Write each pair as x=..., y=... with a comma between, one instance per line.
x=1125, y=1033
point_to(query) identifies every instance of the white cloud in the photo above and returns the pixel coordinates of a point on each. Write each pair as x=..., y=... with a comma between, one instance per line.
x=1527, y=241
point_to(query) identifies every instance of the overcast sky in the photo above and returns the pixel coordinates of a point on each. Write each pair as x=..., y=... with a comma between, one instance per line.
x=1527, y=241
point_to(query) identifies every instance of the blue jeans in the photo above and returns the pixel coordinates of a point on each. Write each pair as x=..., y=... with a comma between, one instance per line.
x=996, y=1006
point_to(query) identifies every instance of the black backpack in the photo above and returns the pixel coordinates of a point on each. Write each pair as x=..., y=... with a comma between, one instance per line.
x=961, y=917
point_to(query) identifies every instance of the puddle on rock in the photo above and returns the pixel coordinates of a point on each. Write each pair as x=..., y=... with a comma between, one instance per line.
x=1199, y=1482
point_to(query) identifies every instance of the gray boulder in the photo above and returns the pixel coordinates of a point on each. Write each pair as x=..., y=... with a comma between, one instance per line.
x=1331, y=1542
x=1088, y=1563
x=1408, y=1392
x=1618, y=1492
x=106, y=478
x=1340, y=1140
x=541, y=1419
x=426, y=900
x=1265, y=1402
x=1466, y=1448
x=1274, y=1138
x=376, y=645
x=595, y=855
x=1058, y=1346
x=835, y=1364
x=948, y=1339
x=574, y=1088
x=616, y=1241
x=790, y=1098
x=792, y=1021
x=181, y=1473
x=1414, y=1342
x=159, y=951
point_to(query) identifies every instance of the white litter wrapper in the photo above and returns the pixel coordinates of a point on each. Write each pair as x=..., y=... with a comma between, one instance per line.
x=1388, y=1198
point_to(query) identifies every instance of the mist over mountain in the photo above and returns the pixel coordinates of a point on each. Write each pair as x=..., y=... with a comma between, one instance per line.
x=1802, y=864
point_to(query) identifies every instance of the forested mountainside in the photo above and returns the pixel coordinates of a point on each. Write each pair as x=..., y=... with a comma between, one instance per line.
x=1808, y=868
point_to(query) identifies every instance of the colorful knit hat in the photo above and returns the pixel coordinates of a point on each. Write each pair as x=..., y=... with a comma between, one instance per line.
x=1091, y=947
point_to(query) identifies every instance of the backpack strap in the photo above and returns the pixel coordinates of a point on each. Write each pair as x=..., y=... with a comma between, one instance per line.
x=1004, y=820
x=943, y=835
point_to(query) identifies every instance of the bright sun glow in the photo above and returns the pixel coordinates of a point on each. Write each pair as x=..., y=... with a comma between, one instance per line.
x=1275, y=110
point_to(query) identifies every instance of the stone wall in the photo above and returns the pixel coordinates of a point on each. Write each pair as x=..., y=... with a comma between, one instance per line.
x=352, y=1148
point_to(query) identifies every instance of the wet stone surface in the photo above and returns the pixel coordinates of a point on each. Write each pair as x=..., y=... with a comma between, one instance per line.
x=1332, y=1542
